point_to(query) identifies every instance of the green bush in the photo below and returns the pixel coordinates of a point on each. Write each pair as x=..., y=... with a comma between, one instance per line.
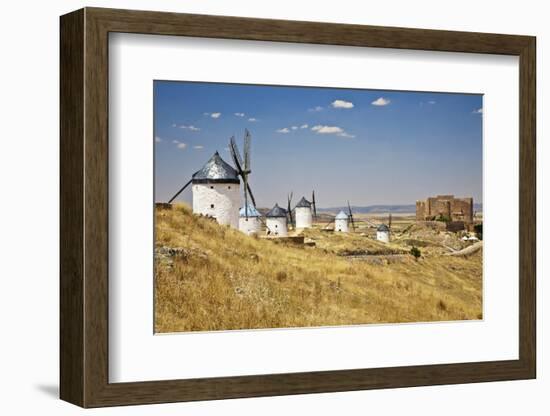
x=415, y=252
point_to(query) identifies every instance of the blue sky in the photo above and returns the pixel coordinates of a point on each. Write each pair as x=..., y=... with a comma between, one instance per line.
x=366, y=146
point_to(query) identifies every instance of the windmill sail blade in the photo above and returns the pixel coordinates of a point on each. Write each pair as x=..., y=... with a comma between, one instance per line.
x=351, y=216
x=250, y=194
x=314, y=205
x=180, y=191
x=289, y=209
x=234, y=150
x=247, y=139
x=245, y=197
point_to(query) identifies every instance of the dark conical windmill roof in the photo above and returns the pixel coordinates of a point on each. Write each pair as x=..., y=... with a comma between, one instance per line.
x=383, y=227
x=216, y=170
x=276, y=211
x=303, y=203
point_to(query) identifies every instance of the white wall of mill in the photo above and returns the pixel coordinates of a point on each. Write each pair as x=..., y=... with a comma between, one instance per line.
x=277, y=226
x=383, y=236
x=341, y=226
x=250, y=225
x=304, y=218
x=225, y=197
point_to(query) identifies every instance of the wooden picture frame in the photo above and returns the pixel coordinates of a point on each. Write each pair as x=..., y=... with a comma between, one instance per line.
x=84, y=207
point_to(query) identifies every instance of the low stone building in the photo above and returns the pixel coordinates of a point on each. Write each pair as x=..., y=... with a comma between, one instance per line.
x=445, y=207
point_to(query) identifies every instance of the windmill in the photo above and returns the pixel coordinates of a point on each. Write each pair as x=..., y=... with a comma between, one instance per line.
x=351, y=216
x=289, y=209
x=314, y=206
x=389, y=220
x=243, y=166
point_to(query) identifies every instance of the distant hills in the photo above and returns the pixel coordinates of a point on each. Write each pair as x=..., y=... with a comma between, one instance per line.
x=382, y=209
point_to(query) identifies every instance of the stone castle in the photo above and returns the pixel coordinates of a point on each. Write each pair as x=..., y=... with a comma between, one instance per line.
x=446, y=207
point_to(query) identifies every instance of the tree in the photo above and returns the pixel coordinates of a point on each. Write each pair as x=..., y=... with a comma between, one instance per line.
x=478, y=228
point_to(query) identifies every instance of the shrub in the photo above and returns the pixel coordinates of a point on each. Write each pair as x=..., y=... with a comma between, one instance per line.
x=415, y=252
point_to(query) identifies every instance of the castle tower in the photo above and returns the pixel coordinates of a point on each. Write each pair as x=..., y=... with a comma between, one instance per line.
x=341, y=223
x=276, y=221
x=304, y=216
x=216, y=191
x=249, y=220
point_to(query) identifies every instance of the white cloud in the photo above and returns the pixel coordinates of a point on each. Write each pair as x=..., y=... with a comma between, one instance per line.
x=175, y=141
x=215, y=115
x=432, y=102
x=252, y=119
x=190, y=127
x=239, y=114
x=294, y=127
x=158, y=139
x=381, y=102
x=347, y=135
x=478, y=111
x=283, y=131
x=318, y=108
x=304, y=126
x=341, y=104
x=182, y=145
x=327, y=129
x=198, y=147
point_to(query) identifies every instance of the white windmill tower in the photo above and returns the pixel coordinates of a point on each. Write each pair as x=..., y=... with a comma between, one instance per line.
x=250, y=221
x=276, y=221
x=216, y=187
x=383, y=233
x=216, y=191
x=303, y=214
x=341, y=222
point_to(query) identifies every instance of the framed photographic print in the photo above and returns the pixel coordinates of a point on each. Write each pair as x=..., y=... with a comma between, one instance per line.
x=255, y=207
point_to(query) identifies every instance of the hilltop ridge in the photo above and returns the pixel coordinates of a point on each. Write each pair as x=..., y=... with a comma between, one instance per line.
x=210, y=277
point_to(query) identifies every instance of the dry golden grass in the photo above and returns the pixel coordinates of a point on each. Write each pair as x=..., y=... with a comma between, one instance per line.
x=224, y=280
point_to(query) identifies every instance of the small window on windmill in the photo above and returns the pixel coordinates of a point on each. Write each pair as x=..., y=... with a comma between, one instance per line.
x=211, y=186
x=276, y=226
x=211, y=205
x=229, y=187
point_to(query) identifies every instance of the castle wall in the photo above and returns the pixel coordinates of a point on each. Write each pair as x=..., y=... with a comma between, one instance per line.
x=218, y=200
x=456, y=209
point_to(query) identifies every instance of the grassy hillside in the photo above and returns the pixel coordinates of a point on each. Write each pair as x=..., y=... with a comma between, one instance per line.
x=210, y=277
